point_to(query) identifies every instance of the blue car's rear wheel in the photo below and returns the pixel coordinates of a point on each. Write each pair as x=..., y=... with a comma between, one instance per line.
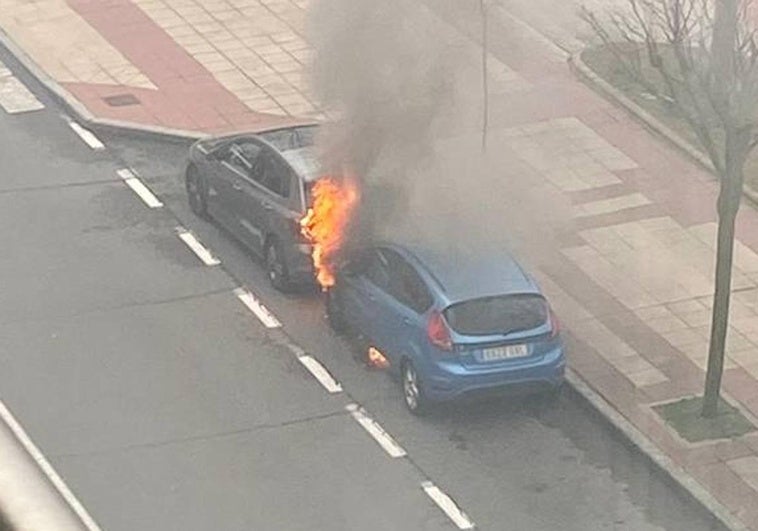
x=413, y=389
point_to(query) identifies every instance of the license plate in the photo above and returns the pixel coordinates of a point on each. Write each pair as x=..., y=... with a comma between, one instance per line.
x=504, y=353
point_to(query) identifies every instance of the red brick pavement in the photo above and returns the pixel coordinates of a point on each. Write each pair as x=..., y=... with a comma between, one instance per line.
x=188, y=97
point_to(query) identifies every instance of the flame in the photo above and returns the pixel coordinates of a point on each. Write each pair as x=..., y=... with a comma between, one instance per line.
x=377, y=359
x=325, y=223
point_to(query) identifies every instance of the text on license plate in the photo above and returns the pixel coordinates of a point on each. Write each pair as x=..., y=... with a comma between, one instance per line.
x=504, y=353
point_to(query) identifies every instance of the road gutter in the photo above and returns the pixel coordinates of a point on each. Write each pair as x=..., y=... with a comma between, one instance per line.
x=648, y=448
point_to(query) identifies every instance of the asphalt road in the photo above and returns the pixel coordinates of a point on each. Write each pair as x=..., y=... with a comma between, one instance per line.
x=165, y=404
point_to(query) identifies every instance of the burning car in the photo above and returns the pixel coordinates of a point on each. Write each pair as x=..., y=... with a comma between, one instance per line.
x=258, y=187
x=450, y=325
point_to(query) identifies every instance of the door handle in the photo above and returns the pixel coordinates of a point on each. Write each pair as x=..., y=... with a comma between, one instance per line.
x=407, y=321
x=237, y=186
x=268, y=206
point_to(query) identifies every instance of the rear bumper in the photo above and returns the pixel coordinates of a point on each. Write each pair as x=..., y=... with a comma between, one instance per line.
x=450, y=381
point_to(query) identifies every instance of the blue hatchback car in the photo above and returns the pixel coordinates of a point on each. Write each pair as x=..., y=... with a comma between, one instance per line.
x=450, y=325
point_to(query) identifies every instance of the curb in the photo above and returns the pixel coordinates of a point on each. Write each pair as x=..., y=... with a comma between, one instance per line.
x=75, y=107
x=640, y=441
x=590, y=77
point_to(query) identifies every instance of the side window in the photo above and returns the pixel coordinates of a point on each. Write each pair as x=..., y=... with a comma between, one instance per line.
x=276, y=175
x=377, y=270
x=406, y=285
x=245, y=157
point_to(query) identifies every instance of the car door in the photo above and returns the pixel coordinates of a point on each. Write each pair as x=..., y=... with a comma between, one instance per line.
x=364, y=279
x=265, y=201
x=402, y=308
x=248, y=201
x=219, y=170
x=278, y=217
x=234, y=164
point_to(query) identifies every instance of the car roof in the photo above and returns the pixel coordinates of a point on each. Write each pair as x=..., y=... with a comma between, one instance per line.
x=260, y=134
x=466, y=274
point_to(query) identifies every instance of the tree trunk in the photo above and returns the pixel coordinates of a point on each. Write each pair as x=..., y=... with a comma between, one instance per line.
x=729, y=199
x=485, y=75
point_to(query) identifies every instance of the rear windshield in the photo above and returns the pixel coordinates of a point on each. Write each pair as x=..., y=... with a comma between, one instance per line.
x=497, y=315
x=291, y=138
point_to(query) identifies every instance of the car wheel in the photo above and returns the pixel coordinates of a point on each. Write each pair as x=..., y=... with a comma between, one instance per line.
x=335, y=313
x=197, y=192
x=276, y=266
x=413, y=390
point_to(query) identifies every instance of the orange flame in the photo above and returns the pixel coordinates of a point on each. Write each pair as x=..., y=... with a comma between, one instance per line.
x=326, y=221
x=377, y=359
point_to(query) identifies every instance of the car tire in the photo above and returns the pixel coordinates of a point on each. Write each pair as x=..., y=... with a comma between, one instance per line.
x=197, y=192
x=413, y=390
x=276, y=266
x=335, y=313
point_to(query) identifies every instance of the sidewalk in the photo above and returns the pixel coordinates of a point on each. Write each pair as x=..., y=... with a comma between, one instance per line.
x=632, y=280
x=201, y=66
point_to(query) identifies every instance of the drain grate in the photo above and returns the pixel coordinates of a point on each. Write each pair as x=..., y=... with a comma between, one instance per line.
x=121, y=100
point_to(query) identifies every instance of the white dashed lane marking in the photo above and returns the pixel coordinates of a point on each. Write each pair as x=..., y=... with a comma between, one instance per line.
x=320, y=373
x=448, y=506
x=20, y=434
x=258, y=309
x=87, y=136
x=14, y=96
x=198, y=248
x=139, y=188
x=384, y=439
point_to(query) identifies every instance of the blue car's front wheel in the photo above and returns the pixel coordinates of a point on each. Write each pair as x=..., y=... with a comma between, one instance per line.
x=334, y=312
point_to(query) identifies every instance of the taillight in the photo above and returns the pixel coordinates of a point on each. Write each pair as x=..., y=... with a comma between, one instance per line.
x=555, y=324
x=438, y=332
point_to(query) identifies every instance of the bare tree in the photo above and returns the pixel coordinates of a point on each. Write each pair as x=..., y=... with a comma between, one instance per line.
x=702, y=57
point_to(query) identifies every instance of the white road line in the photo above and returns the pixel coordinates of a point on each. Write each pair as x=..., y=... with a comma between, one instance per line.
x=139, y=188
x=47, y=468
x=320, y=373
x=85, y=134
x=448, y=506
x=384, y=439
x=260, y=311
x=198, y=248
x=14, y=96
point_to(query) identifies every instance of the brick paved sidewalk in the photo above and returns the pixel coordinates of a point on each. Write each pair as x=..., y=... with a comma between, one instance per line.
x=632, y=273
x=206, y=66
x=632, y=278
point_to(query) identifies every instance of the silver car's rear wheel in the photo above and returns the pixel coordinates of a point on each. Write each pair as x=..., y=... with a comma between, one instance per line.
x=276, y=267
